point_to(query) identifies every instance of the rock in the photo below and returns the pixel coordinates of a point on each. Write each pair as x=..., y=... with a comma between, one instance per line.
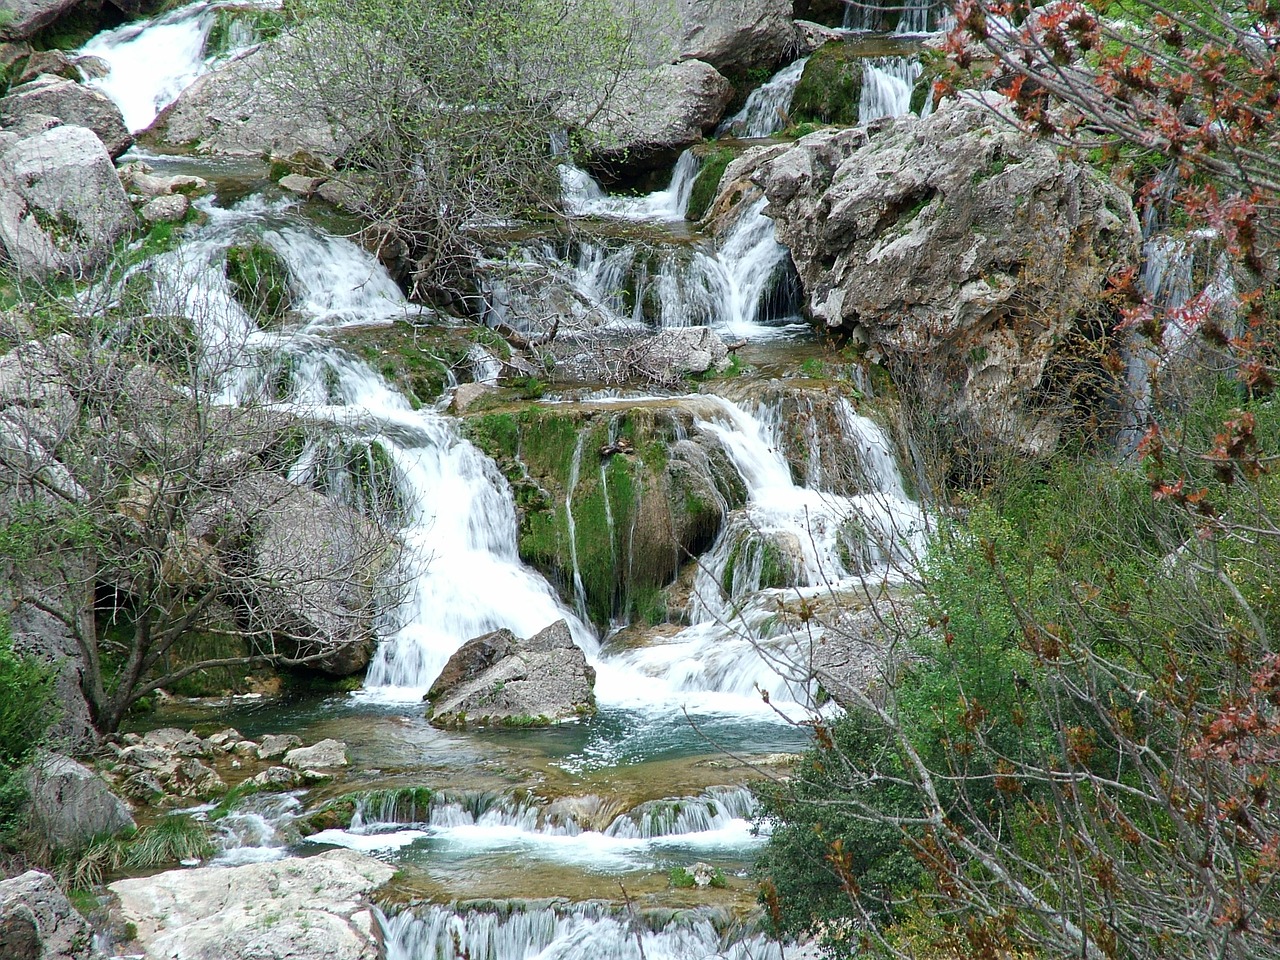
x=169, y=209
x=28, y=17
x=64, y=179
x=53, y=62
x=181, y=743
x=500, y=680
x=224, y=739
x=31, y=125
x=92, y=68
x=959, y=250
x=276, y=778
x=297, y=183
x=325, y=755
x=37, y=921
x=315, y=907
x=468, y=393
x=675, y=352
x=138, y=178
x=736, y=36
x=12, y=52
x=277, y=745
x=655, y=114
x=811, y=36
x=194, y=779
x=71, y=805
x=72, y=103
x=231, y=111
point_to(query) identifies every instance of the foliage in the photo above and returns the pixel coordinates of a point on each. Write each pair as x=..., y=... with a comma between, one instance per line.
x=171, y=840
x=28, y=706
x=830, y=88
x=259, y=280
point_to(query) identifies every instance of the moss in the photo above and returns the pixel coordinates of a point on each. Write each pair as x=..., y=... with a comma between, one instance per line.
x=238, y=27
x=334, y=815
x=703, y=193
x=420, y=360
x=213, y=681
x=830, y=87
x=259, y=280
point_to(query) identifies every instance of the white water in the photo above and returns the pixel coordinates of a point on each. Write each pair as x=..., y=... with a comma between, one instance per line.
x=583, y=197
x=765, y=111
x=916, y=16
x=153, y=61
x=887, y=83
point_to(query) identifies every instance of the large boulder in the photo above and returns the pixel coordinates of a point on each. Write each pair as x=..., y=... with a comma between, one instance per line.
x=961, y=251
x=656, y=113
x=71, y=805
x=28, y=17
x=37, y=921
x=314, y=907
x=72, y=103
x=62, y=207
x=243, y=108
x=499, y=680
x=736, y=36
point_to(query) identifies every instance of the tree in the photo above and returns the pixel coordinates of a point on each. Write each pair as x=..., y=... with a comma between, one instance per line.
x=153, y=523
x=451, y=115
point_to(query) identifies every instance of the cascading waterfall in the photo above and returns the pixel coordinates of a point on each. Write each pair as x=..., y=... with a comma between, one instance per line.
x=887, y=83
x=583, y=197
x=912, y=16
x=765, y=111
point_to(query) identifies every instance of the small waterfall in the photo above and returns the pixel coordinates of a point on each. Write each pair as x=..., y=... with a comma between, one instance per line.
x=765, y=111
x=912, y=16
x=257, y=830
x=717, y=809
x=153, y=61
x=887, y=83
x=575, y=470
x=584, y=931
x=583, y=197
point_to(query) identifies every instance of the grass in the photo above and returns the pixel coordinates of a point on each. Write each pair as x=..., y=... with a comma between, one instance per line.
x=168, y=841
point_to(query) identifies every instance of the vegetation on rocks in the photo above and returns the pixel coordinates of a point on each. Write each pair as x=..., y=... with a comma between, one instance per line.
x=830, y=87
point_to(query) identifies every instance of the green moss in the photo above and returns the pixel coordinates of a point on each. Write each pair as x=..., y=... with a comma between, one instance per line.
x=259, y=280
x=830, y=87
x=703, y=193
x=213, y=681
x=238, y=27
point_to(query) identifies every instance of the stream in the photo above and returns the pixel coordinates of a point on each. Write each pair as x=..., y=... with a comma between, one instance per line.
x=533, y=839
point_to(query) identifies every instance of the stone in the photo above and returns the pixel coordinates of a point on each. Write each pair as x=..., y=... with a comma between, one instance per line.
x=655, y=114
x=71, y=805
x=53, y=62
x=736, y=36
x=676, y=352
x=277, y=745
x=64, y=180
x=37, y=921
x=92, y=68
x=325, y=755
x=297, y=183
x=169, y=209
x=224, y=739
x=467, y=394
x=314, y=907
x=499, y=680
x=194, y=779
x=140, y=179
x=276, y=778
x=959, y=250
x=72, y=103
x=28, y=17
x=182, y=743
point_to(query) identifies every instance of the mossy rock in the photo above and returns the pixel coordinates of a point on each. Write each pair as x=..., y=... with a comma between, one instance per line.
x=831, y=86
x=419, y=360
x=235, y=27
x=707, y=182
x=259, y=281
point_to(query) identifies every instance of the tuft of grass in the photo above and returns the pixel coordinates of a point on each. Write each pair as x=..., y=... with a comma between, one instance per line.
x=168, y=841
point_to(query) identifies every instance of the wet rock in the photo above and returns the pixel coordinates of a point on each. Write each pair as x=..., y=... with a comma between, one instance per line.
x=170, y=209
x=61, y=204
x=52, y=62
x=314, y=907
x=92, y=68
x=325, y=755
x=468, y=393
x=72, y=103
x=277, y=745
x=37, y=921
x=276, y=778
x=499, y=680
x=71, y=805
x=139, y=178
x=28, y=17
x=959, y=250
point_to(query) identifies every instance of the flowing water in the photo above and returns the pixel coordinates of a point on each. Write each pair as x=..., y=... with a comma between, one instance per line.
x=642, y=787
x=766, y=109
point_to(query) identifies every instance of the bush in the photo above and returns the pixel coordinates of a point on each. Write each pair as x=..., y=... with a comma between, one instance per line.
x=28, y=706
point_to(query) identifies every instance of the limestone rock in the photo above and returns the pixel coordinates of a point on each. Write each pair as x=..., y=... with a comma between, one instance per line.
x=325, y=755
x=71, y=805
x=656, y=113
x=140, y=179
x=297, y=183
x=960, y=250
x=500, y=680
x=72, y=103
x=168, y=209
x=37, y=921
x=678, y=351
x=468, y=393
x=28, y=17
x=314, y=907
x=53, y=62
x=736, y=35
x=276, y=778
x=61, y=204
x=277, y=745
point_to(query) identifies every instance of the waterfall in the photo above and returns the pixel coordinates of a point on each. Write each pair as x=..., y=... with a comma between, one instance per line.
x=587, y=931
x=913, y=16
x=583, y=197
x=765, y=111
x=887, y=83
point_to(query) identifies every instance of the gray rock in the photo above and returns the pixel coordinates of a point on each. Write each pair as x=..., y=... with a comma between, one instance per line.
x=277, y=745
x=64, y=179
x=168, y=209
x=92, y=68
x=53, y=62
x=224, y=739
x=656, y=113
x=72, y=103
x=676, y=352
x=259, y=910
x=28, y=17
x=138, y=178
x=468, y=393
x=182, y=743
x=277, y=778
x=37, y=921
x=297, y=183
x=500, y=680
x=736, y=35
x=325, y=755
x=71, y=805
x=960, y=250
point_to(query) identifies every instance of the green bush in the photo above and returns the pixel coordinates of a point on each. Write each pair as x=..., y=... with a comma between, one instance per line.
x=28, y=706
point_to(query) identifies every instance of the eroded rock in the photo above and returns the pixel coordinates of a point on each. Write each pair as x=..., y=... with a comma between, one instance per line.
x=37, y=921
x=71, y=805
x=72, y=103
